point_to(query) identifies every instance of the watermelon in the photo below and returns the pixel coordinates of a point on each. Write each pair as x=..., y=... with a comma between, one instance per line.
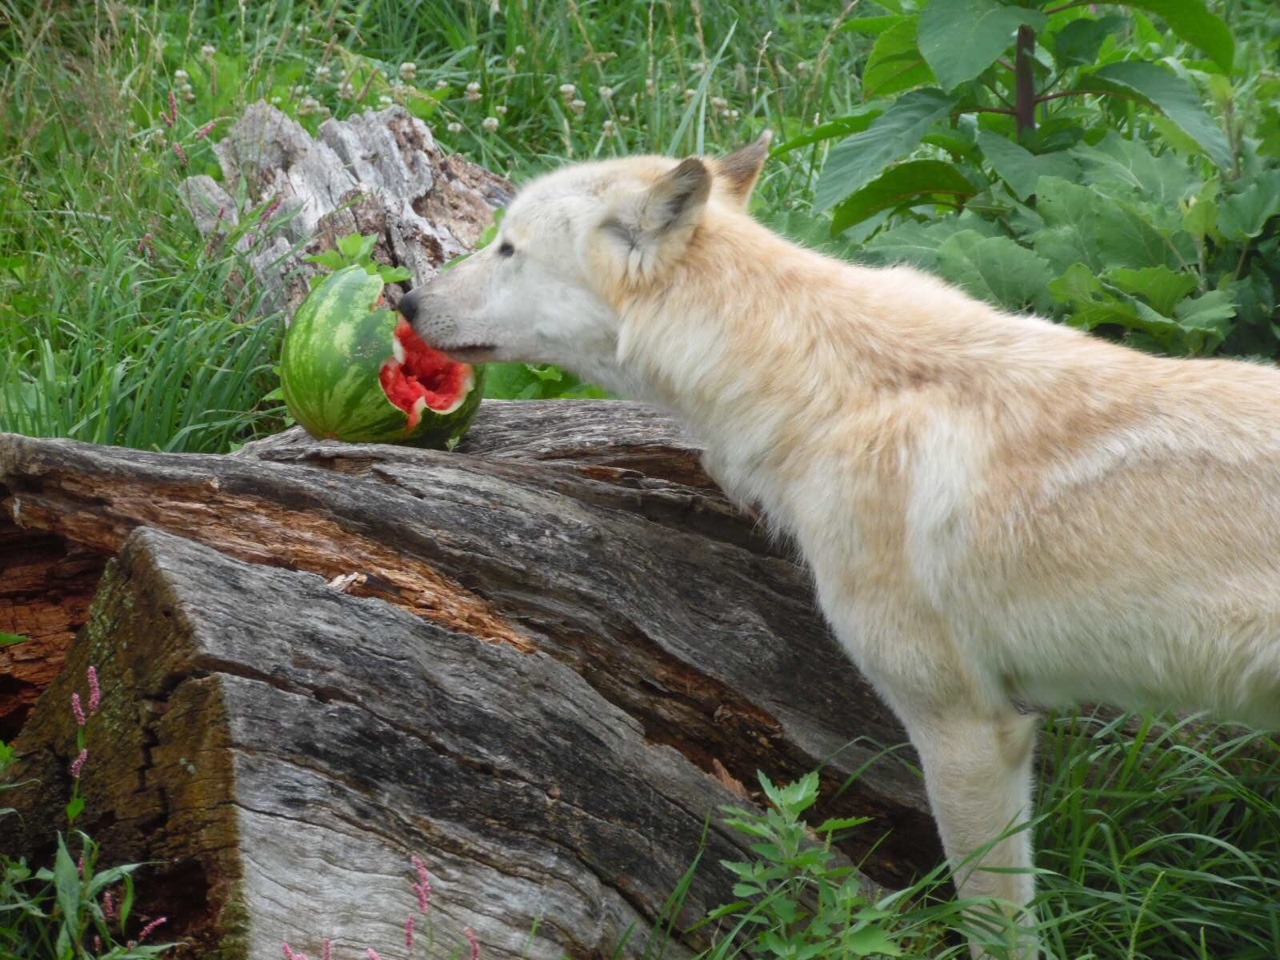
x=352, y=369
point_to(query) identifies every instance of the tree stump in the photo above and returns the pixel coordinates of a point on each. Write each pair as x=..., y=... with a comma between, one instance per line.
x=540, y=662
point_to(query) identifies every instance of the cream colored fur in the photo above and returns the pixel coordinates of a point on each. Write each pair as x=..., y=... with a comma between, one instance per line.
x=998, y=510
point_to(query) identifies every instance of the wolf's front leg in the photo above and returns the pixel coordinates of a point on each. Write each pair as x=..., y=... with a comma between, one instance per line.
x=978, y=776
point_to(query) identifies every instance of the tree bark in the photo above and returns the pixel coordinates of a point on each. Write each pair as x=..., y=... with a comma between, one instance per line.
x=568, y=587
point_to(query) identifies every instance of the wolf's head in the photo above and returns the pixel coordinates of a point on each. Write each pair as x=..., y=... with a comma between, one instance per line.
x=574, y=247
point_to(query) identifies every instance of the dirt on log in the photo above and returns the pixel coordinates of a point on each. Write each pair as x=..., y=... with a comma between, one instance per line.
x=540, y=662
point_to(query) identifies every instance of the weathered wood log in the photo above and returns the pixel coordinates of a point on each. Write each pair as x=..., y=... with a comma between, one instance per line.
x=288, y=748
x=372, y=173
x=583, y=532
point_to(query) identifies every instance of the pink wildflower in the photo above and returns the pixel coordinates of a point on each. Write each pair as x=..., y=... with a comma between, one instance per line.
x=291, y=954
x=182, y=154
x=77, y=765
x=144, y=245
x=206, y=129
x=373, y=954
x=77, y=710
x=408, y=932
x=109, y=912
x=172, y=118
x=150, y=928
x=80, y=863
x=95, y=692
x=474, y=941
x=328, y=951
x=423, y=887
x=272, y=208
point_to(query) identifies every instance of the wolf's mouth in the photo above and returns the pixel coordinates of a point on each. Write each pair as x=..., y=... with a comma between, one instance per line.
x=471, y=352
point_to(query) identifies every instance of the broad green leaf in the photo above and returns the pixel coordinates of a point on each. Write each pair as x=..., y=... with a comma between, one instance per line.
x=1190, y=20
x=918, y=243
x=9, y=639
x=1127, y=169
x=1020, y=168
x=1095, y=229
x=997, y=270
x=859, y=159
x=1244, y=215
x=1078, y=43
x=1161, y=287
x=1206, y=320
x=895, y=62
x=1175, y=97
x=961, y=38
x=906, y=184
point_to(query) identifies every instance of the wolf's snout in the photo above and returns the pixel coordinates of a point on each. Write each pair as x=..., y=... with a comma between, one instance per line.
x=410, y=303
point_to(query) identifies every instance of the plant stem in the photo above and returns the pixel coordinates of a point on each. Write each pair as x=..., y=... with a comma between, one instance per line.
x=1025, y=81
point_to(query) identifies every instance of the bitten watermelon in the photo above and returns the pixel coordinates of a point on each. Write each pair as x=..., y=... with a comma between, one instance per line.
x=353, y=369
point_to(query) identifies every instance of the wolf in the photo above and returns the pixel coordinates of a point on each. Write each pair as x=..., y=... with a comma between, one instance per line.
x=1000, y=513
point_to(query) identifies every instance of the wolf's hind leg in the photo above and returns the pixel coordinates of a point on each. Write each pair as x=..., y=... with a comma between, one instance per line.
x=978, y=776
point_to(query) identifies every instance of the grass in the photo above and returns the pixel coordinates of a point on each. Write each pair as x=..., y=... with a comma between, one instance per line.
x=1155, y=839
x=111, y=303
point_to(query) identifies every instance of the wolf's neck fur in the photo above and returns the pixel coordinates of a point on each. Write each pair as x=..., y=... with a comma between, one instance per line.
x=755, y=386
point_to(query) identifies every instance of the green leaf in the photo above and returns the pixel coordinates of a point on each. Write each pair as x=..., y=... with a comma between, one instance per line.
x=1244, y=215
x=1175, y=97
x=1190, y=20
x=356, y=248
x=9, y=639
x=996, y=270
x=1159, y=286
x=1020, y=168
x=895, y=62
x=1078, y=43
x=75, y=807
x=917, y=243
x=1098, y=230
x=855, y=122
x=859, y=159
x=329, y=258
x=1206, y=320
x=961, y=38
x=870, y=942
x=907, y=184
x=66, y=881
x=1127, y=169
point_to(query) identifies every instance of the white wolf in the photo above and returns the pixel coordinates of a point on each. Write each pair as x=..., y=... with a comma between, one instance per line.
x=998, y=511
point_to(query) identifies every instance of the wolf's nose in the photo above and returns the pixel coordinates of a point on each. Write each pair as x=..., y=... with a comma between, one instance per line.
x=409, y=304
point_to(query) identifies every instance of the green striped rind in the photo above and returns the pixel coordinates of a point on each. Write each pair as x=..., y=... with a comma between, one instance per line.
x=330, y=366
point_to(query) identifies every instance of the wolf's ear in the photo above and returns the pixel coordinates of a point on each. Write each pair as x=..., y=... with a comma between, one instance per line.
x=676, y=199
x=738, y=172
x=655, y=224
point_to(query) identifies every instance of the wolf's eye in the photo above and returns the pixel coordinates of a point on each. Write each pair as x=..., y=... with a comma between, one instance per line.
x=505, y=249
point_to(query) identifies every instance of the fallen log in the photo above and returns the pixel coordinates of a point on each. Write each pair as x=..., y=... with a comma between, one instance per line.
x=576, y=540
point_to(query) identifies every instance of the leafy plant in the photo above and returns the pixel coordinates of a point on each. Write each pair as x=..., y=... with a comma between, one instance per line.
x=357, y=250
x=1061, y=158
x=72, y=910
x=797, y=899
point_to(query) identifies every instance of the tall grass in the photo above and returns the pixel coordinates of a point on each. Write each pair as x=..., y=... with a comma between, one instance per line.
x=1155, y=840
x=119, y=325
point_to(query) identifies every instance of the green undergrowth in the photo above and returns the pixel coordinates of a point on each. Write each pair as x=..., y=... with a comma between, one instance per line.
x=1154, y=839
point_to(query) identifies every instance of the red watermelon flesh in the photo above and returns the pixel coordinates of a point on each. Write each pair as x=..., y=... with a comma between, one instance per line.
x=420, y=376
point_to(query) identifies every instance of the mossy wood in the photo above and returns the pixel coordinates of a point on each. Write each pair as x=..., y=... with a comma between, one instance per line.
x=555, y=652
